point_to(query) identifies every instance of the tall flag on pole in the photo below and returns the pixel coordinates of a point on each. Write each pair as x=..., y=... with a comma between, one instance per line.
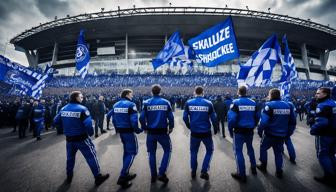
x=82, y=56
x=216, y=45
x=173, y=48
x=257, y=71
x=289, y=72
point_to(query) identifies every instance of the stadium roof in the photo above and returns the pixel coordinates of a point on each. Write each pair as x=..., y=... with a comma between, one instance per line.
x=165, y=20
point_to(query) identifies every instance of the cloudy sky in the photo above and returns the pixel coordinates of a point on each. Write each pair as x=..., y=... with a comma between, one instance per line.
x=18, y=15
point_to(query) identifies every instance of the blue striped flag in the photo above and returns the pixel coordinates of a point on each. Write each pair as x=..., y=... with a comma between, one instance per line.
x=257, y=71
x=289, y=72
x=173, y=48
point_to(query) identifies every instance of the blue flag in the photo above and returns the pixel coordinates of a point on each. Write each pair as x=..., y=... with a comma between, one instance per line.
x=258, y=69
x=284, y=88
x=24, y=81
x=216, y=45
x=49, y=71
x=173, y=48
x=289, y=72
x=82, y=56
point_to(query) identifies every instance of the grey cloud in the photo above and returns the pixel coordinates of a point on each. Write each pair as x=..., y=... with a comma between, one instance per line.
x=7, y=7
x=162, y=2
x=296, y=2
x=326, y=7
x=52, y=8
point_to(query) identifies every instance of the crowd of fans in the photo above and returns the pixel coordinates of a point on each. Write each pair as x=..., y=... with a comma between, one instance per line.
x=176, y=88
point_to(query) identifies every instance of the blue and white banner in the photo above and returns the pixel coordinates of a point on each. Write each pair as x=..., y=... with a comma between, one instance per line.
x=258, y=69
x=25, y=81
x=82, y=55
x=216, y=45
x=289, y=72
x=173, y=48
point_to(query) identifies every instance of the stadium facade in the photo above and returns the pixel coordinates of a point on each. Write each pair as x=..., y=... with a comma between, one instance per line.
x=125, y=40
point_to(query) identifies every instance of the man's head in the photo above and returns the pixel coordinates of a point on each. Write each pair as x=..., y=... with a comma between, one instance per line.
x=274, y=94
x=199, y=91
x=242, y=90
x=156, y=89
x=127, y=93
x=36, y=102
x=76, y=96
x=101, y=98
x=322, y=93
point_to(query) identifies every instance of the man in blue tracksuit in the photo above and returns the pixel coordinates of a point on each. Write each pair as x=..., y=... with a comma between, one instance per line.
x=37, y=115
x=276, y=124
x=158, y=121
x=196, y=116
x=288, y=141
x=242, y=119
x=125, y=120
x=76, y=122
x=324, y=130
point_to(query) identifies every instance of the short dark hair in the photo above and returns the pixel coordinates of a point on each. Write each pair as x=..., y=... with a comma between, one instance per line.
x=156, y=89
x=199, y=90
x=74, y=95
x=125, y=92
x=242, y=90
x=274, y=94
x=325, y=90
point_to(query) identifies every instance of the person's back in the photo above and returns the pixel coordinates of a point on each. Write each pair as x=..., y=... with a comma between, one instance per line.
x=220, y=108
x=242, y=119
x=77, y=124
x=73, y=115
x=157, y=120
x=247, y=113
x=199, y=110
x=158, y=110
x=277, y=121
x=196, y=116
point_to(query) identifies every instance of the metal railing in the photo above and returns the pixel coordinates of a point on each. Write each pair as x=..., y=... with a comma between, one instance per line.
x=172, y=11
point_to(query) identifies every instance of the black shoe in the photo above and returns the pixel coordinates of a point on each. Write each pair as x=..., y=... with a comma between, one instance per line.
x=324, y=180
x=96, y=136
x=38, y=138
x=130, y=176
x=292, y=161
x=153, y=179
x=123, y=182
x=103, y=131
x=224, y=136
x=163, y=178
x=253, y=170
x=193, y=174
x=101, y=178
x=262, y=167
x=69, y=179
x=279, y=174
x=204, y=175
x=239, y=177
x=108, y=129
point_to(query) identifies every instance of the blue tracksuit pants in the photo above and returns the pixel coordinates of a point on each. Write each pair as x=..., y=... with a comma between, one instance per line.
x=164, y=141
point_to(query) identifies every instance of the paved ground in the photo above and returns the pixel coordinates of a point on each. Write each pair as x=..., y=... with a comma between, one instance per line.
x=28, y=165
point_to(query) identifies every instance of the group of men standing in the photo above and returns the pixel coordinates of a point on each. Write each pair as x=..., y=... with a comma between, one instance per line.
x=275, y=125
